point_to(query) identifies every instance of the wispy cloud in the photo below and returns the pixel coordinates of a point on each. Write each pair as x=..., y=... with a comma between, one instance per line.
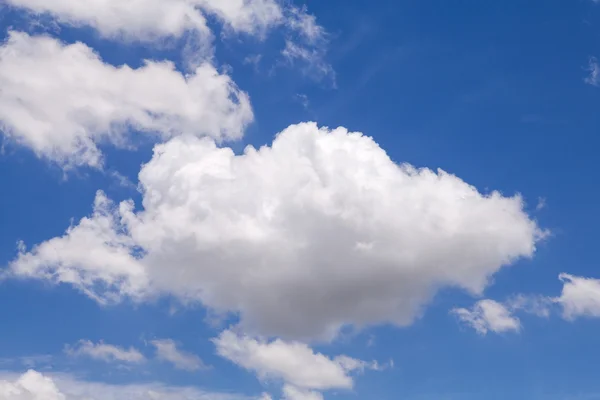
x=166, y=350
x=105, y=352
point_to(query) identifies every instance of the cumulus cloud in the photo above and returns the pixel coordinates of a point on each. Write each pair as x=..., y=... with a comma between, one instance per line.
x=489, y=315
x=105, y=352
x=30, y=386
x=291, y=362
x=580, y=297
x=35, y=386
x=62, y=100
x=151, y=20
x=166, y=350
x=317, y=231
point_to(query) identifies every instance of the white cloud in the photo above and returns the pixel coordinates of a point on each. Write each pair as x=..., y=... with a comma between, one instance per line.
x=293, y=393
x=532, y=304
x=105, y=352
x=292, y=362
x=489, y=315
x=30, y=386
x=151, y=20
x=248, y=16
x=580, y=297
x=166, y=350
x=308, y=45
x=312, y=60
x=34, y=386
x=306, y=25
x=62, y=100
x=594, y=72
x=318, y=231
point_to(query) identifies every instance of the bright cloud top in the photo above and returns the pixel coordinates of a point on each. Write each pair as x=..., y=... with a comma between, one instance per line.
x=34, y=386
x=489, y=315
x=105, y=352
x=150, y=20
x=315, y=232
x=102, y=103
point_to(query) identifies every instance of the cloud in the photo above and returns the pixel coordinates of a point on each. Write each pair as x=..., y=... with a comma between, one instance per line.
x=35, y=386
x=102, y=103
x=253, y=60
x=293, y=393
x=594, y=73
x=540, y=306
x=580, y=297
x=153, y=20
x=307, y=46
x=489, y=315
x=105, y=352
x=252, y=17
x=312, y=60
x=318, y=231
x=306, y=25
x=30, y=386
x=292, y=362
x=166, y=350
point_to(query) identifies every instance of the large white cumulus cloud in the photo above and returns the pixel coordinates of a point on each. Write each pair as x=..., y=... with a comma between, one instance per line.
x=61, y=100
x=319, y=230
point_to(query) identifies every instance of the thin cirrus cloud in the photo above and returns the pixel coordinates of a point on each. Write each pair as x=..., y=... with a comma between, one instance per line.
x=321, y=218
x=32, y=385
x=100, y=103
x=105, y=352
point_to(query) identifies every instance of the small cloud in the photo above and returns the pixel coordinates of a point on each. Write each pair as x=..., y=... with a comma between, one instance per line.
x=166, y=350
x=593, y=69
x=121, y=180
x=311, y=60
x=580, y=297
x=536, y=305
x=306, y=25
x=371, y=341
x=254, y=61
x=488, y=315
x=104, y=352
x=303, y=99
x=307, y=45
x=541, y=204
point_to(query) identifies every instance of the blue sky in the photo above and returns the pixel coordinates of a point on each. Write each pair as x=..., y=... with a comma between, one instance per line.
x=260, y=269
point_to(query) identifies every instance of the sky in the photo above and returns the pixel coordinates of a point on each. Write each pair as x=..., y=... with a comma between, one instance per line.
x=289, y=200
